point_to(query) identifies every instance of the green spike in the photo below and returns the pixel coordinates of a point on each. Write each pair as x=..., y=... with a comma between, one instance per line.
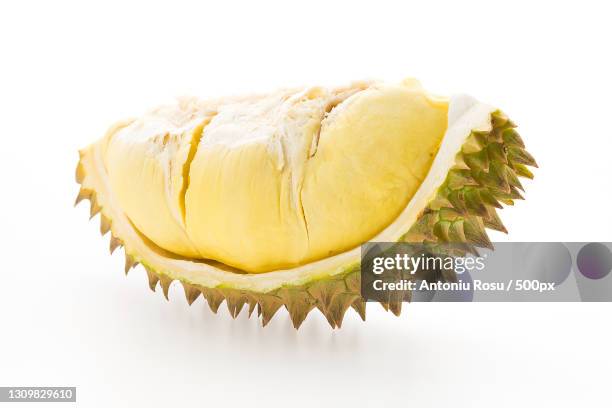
x=474, y=202
x=513, y=179
x=515, y=194
x=499, y=175
x=496, y=153
x=499, y=119
x=458, y=178
x=456, y=232
x=441, y=230
x=473, y=143
x=448, y=214
x=478, y=160
x=422, y=229
x=475, y=233
x=480, y=137
x=493, y=221
x=457, y=200
x=522, y=171
x=488, y=198
x=520, y=156
x=512, y=138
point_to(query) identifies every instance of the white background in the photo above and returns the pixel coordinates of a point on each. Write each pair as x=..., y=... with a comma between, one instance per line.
x=68, y=316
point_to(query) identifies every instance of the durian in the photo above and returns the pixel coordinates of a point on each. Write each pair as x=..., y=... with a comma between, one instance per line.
x=263, y=201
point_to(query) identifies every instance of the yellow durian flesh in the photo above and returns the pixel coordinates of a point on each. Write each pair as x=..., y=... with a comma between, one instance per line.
x=276, y=181
x=372, y=156
x=145, y=162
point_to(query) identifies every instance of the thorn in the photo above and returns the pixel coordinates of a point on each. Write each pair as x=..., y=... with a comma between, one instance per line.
x=341, y=304
x=353, y=281
x=213, y=297
x=130, y=262
x=267, y=306
x=252, y=305
x=496, y=153
x=328, y=316
x=360, y=307
x=105, y=224
x=325, y=292
x=501, y=179
x=456, y=199
x=480, y=137
x=459, y=178
x=516, y=195
x=396, y=307
x=499, y=119
x=82, y=195
x=477, y=161
x=191, y=293
x=297, y=303
x=521, y=156
x=474, y=202
x=441, y=230
x=456, y=234
x=80, y=172
x=512, y=138
x=165, y=282
x=488, y=198
x=476, y=234
x=523, y=171
x=153, y=279
x=114, y=244
x=472, y=250
x=234, y=302
x=94, y=207
x=493, y=221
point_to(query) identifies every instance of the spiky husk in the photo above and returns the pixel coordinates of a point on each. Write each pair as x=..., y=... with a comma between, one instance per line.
x=485, y=176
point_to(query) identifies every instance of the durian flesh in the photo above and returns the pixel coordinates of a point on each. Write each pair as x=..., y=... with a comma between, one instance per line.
x=265, y=199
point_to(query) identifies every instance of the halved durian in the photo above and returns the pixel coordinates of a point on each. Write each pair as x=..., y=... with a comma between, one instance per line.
x=265, y=200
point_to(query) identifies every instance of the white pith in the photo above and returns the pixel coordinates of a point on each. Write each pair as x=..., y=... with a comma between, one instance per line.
x=465, y=114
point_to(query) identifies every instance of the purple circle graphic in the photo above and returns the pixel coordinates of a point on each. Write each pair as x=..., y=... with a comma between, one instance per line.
x=547, y=261
x=594, y=260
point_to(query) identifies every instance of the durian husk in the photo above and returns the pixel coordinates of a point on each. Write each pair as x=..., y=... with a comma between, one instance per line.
x=484, y=176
